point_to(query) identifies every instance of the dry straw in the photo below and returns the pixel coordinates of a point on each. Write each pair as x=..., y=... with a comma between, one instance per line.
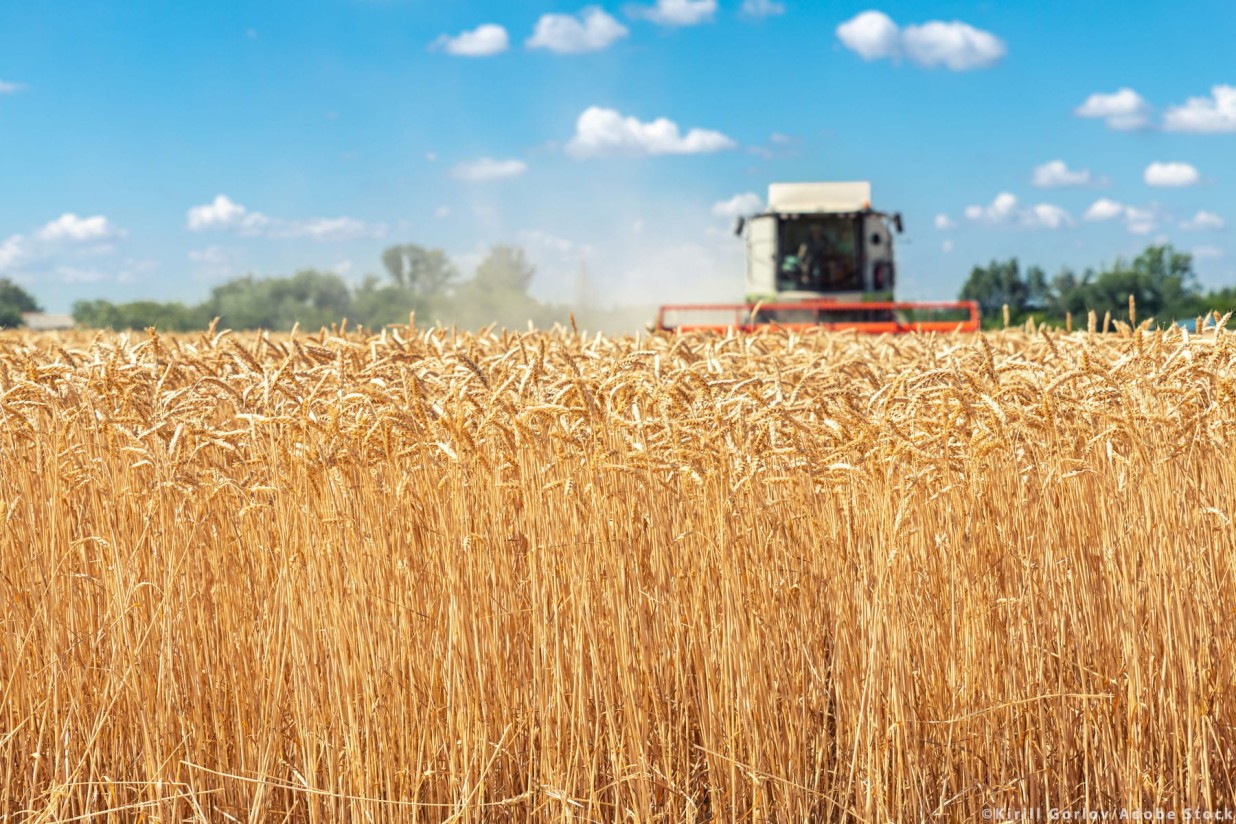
x=432, y=576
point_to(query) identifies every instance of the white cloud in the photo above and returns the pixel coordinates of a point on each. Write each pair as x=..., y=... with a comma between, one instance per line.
x=1046, y=216
x=1171, y=174
x=743, y=205
x=69, y=228
x=872, y=34
x=488, y=169
x=1056, y=173
x=957, y=46
x=594, y=30
x=761, y=8
x=1123, y=110
x=1213, y=114
x=53, y=247
x=483, y=41
x=1137, y=221
x=676, y=12
x=1203, y=220
x=601, y=132
x=1005, y=210
x=329, y=229
x=10, y=88
x=12, y=250
x=954, y=45
x=947, y=246
x=944, y=222
x=224, y=213
x=1202, y=252
x=1103, y=209
x=431, y=157
x=442, y=212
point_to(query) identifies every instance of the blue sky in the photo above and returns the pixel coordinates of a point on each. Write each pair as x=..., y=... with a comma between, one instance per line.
x=152, y=149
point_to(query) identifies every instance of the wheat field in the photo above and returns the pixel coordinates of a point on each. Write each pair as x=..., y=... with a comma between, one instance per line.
x=431, y=576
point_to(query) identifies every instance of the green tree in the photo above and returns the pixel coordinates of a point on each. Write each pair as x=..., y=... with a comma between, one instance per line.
x=995, y=285
x=506, y=269
x=141, y=314
x=377, y=304
x=498, y=292
x=311, y=298
x=1160, y=280
x=15, y=300
x=427, y=273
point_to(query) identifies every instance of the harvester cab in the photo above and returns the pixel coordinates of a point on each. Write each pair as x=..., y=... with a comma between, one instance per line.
x=819, y=255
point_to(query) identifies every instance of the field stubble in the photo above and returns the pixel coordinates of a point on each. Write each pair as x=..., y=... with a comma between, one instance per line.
x=530, y=577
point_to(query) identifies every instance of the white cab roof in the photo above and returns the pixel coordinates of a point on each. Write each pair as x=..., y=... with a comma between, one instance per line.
x=853, y=196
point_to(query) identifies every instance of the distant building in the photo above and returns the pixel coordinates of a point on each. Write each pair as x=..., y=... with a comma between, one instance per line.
x=46, y=322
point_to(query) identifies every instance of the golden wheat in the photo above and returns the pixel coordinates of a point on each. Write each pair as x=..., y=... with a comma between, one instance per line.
x=429, y=576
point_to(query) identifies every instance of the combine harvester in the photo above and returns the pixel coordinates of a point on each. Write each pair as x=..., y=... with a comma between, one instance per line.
x=820, y=256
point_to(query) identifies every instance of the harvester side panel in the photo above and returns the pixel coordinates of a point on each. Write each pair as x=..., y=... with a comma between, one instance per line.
x=871, y=318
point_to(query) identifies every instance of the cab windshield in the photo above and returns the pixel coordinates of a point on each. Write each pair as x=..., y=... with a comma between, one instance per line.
x=820, y=253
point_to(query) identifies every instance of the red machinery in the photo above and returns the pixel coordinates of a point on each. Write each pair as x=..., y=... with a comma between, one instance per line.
x=873, y=318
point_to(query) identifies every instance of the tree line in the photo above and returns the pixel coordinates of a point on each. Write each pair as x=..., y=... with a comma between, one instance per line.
x=1160, y=279
x=419, y=280
x=425, y=281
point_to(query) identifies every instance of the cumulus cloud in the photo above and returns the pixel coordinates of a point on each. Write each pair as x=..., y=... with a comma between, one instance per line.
x=954, y=45
x=12, y=250
x=1005, y=210
x=761, y=8
x=1137, y=220
x=1123, y=110
x=872, y=34
x=944, y=222
x=7, y=87
x=600, y=132
x=946, y=247
x=676, y=12
x=1213, y=114
x=743, y=205
x=1203, y=252
x=957, y=46
x=224, y=214
x=1103, y=209
x=69, y=228
x=483, y=41
x=593, y=30
x=1203, y=220
x=58, y=242
x=1046, y=216
x=1056, y=173
x=1171, y=174
x=999, y=211
x=487, y=168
